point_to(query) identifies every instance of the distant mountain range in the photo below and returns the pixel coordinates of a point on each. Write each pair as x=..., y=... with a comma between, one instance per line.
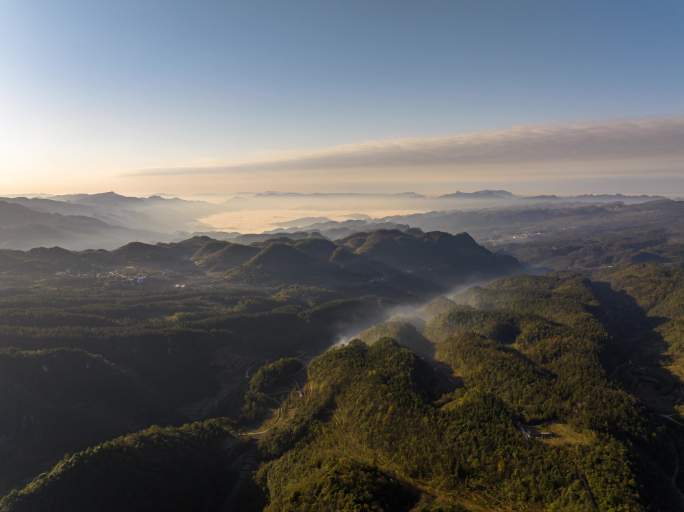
x=482, y=195
x=23, y=228
x=105, y=220
x=520, y=222
x=109, y=220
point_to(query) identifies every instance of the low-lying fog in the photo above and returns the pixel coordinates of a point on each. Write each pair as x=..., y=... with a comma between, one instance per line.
x=264, y=212
x=414, y=314
x=257, y=213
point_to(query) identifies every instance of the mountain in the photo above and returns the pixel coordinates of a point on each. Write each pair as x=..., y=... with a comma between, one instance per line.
x=525, y=223
x=303, y=221
x=404, y=332
x=57, y=401
x=640, y=198
x=386, y=256
x=318, y=248
x=582, y=198
x=100, y=221
x=281, y=264
x=160, y=257
x=255, y=238
x=154, y=213
x=218, y=256
x=480, y=194
x=108, y=220
x=413, y=262
x=16, y=215
x=194, y=467
x=521, y=218
x=435, y=256
x=103, y=198
x=523, y=417
x=340, y=229
x=24, y=228
x=51, y=206
x=556, y=392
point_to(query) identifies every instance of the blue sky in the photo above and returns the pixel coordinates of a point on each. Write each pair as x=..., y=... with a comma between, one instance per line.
x=95, y=89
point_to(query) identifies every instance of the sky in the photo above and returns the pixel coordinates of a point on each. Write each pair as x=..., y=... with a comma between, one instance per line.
x=216, y=97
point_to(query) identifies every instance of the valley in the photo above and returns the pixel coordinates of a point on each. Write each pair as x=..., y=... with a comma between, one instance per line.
x=393, y=369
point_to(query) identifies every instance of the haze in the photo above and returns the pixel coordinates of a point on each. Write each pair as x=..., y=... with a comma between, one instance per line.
x=431, y=97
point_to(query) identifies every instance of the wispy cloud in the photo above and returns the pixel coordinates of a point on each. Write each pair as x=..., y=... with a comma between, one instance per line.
x=646, y=139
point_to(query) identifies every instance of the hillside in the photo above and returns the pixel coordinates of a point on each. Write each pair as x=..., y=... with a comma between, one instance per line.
x=435, y=256
x=61, y=400
x=154, y=213
x=382, y=262
x=554, y=392
x=219, y=257
x=384, y=418
x=651, y=307
x=194, y=467
x=281, y=263
x=527, y=357
x=24, y=228
x=96, y=221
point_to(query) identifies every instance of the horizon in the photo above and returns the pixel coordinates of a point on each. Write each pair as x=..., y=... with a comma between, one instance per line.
x=292, y=193
x=265, y=212
x=252, y=96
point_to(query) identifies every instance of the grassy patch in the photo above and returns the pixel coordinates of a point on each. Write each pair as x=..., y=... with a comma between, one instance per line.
x=565, y=434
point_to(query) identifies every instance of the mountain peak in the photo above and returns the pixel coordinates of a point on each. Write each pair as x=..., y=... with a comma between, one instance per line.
x=479, y=194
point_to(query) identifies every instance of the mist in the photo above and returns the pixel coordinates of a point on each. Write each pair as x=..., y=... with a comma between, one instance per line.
x=416, y=314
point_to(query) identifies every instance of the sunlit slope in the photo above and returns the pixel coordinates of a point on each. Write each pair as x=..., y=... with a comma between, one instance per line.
x=445, y=446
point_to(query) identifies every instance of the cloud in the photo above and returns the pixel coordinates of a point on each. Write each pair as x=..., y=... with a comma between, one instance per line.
x=644, y=139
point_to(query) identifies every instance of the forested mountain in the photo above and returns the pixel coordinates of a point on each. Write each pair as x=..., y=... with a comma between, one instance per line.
x=58, y=400
x=194, y=467
x=527, y=402
x=416, y=261
x=389, y=370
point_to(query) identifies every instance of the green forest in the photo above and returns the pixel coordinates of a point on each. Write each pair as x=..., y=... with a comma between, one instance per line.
x=516, y=392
